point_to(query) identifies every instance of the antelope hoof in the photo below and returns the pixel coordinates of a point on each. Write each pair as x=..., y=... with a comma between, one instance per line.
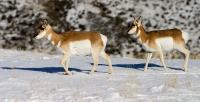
x=67, y=73
x=91, y=72
x=110, y=72
x=185, y=70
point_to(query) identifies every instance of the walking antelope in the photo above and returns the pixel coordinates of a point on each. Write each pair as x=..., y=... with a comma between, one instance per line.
x=159, y=40
x=73, y=43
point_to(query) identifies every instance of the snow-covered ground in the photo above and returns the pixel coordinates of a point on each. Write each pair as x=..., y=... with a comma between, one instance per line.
x=36, y=77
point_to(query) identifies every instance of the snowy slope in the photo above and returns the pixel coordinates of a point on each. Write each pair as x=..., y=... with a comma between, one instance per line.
x=35, y=77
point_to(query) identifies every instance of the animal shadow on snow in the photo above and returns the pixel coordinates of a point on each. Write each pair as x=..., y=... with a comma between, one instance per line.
x=140, y=66
x=47, y=69
x=61, y=69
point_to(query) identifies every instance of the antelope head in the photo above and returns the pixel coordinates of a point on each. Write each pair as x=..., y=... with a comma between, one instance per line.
x=43, y=29
x=135, y=26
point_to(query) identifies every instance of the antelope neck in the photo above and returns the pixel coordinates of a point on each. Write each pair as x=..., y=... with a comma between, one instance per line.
x=54, y=37
x=142, y=34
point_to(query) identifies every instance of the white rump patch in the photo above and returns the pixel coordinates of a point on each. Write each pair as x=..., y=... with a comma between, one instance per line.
x=104, y=39
x=166, y=43
x=59, y=43
x=185, y=36
x=82, y=47
x=49, y=37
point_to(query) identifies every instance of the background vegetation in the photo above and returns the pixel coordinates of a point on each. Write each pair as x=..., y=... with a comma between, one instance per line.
x=19, y=19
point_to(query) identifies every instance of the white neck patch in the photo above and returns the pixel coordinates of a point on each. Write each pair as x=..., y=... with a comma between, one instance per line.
x=59, y=44
x=53, y=42
x=49, y=37
x=138, y=33
x=41, y=35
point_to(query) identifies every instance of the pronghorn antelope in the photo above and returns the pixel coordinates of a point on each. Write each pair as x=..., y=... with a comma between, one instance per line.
x=160, y=40
x=76, y=43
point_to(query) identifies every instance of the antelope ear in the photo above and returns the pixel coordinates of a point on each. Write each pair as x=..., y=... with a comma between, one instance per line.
x=133, y=22
x=139, y=21
x=134, y=18
x=138, y=18
x=43, y=22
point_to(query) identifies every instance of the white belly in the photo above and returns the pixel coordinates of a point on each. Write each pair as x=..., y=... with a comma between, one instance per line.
x=166, y=44
x=80, y=47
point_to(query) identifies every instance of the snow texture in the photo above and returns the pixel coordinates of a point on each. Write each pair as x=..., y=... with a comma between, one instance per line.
x=37, y=77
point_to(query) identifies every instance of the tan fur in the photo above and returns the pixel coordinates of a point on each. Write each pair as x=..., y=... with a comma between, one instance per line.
x=150, y=40
x=71, y=36
x=63, y=41
x=153, y=35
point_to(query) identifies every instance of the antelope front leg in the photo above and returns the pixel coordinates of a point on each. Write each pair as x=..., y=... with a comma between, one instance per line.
x=187, y=54
x=149, y=55
x=65, y=62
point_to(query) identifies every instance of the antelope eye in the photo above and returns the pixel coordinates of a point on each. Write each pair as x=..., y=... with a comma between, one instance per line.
x=41, y=28
x=130, y=24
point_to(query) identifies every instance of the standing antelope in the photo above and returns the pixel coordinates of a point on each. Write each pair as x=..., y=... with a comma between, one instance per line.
x=159, y=40
x=73, y=43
